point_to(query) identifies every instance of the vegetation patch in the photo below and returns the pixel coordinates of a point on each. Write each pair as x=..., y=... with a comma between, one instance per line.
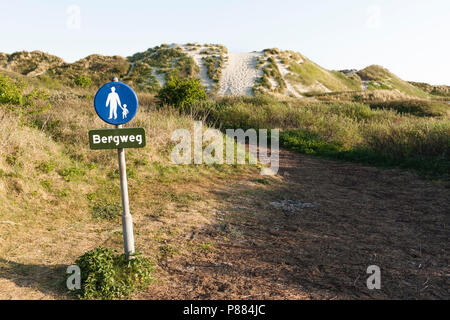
x=19, y=98
x=46, y=166
x=381, y=78
x=165, y=60
x=421, y=108
x=167, y=251
x=106, y=275
x=271, y=70
x=309, y=74
x=98, y=68
x=83, y=81
x=106, y=210
x=71, y=173
x=440, y=91
x=142, y=77
x=344, y=130
x=30, y=63
x=181, y=92
x=214, y=65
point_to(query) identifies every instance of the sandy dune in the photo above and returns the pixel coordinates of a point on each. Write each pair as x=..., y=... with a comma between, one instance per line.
x=161, y=77
x=203, y=74
x=290, y=90
x=240, y=74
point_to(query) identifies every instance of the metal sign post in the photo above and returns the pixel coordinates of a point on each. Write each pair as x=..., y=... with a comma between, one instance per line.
x=116, y=104
x=127, y=219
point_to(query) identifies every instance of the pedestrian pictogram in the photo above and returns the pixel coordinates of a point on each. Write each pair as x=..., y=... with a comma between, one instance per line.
x=116, y=103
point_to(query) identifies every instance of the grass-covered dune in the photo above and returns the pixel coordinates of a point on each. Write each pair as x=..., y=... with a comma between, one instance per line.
x=436, y=90
x=279, y=72
x=378, y=77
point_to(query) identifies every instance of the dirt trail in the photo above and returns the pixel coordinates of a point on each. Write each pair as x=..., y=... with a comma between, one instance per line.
x=365, y=216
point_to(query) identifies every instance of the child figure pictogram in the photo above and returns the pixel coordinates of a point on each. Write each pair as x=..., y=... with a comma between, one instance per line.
x=124, y=111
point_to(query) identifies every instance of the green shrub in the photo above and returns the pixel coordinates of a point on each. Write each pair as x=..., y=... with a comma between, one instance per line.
x=83, y=81
x=106, y=275
x=181, y=92
x=10, y=91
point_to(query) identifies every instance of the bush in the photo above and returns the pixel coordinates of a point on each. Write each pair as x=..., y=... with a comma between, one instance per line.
x=83, y=81
x=105, y=275
x=10, y=91
x=181, y=92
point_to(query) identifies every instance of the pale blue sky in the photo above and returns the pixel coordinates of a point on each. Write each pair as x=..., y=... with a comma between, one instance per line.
x=411, y=38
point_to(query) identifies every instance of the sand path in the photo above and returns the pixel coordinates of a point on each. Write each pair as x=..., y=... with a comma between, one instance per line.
x=240, y=74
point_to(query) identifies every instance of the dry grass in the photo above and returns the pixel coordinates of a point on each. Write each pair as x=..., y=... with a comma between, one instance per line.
x=51, y=183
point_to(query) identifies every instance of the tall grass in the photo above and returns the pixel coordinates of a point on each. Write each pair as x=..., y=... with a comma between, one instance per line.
x=346, y=130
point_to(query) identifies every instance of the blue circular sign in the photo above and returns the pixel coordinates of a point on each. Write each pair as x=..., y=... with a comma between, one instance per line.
x=116, y=103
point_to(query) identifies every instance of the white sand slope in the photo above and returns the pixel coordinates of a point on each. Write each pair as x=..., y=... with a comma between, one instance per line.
x=290, y=90
x=203, y=74
x=240, y=74
x=161, y=77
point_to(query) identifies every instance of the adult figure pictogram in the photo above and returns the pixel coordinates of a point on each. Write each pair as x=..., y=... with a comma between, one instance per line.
x=113, y=100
